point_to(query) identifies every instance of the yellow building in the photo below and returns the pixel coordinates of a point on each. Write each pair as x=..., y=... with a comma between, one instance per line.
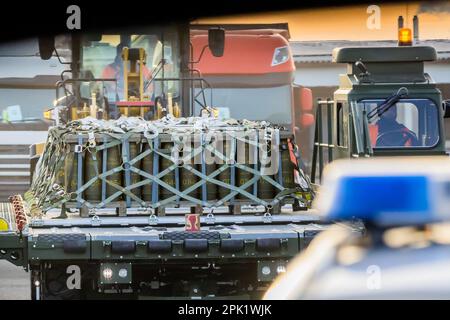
x=355, y=23
x=315, y=32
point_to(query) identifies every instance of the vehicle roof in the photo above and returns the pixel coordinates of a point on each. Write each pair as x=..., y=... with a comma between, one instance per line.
x=251, y=28
x=386, y=273
x=384, y=54
x=254, y=32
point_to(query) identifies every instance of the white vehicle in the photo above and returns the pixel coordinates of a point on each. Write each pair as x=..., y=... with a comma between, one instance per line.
x=405, y=251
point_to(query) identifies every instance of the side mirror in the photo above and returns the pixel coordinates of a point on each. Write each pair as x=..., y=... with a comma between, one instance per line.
x=46, y=47
x=303, y=100
x=306, y=99
x=446, y=105
x=303, y=104
x=216, y=41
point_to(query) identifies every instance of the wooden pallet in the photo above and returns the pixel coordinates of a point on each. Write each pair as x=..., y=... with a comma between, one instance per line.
x=120, y=207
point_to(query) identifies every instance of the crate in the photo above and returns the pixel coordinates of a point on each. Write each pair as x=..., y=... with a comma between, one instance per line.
x=133, y=170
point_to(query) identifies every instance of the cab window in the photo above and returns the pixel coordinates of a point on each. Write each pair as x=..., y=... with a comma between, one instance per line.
x=103, y=59
x=410, y=123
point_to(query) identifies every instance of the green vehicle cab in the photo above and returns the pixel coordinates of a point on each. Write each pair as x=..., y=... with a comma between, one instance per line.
x=386, y=105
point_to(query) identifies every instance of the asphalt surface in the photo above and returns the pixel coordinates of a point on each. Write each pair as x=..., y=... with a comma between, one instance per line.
x=14, y=282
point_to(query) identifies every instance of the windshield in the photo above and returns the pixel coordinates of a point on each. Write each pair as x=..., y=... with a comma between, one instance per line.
x=103, y=59
x=270, y=104
x=410, y=123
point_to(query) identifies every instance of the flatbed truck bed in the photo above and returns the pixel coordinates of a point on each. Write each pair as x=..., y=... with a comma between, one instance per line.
x=157, y=253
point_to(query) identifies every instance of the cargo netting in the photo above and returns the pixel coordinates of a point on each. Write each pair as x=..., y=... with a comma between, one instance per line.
x=131, y=162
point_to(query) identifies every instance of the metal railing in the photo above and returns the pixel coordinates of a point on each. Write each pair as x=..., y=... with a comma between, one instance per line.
x=320, y=146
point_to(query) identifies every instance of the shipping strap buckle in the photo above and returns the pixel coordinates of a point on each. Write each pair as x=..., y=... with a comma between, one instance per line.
x=210, y=218
x=91, y=139
x=268, y=134
x=78, y=148
x=56, y=187
x=152, y=219
x=95, y=221
x=61, y=193
x=150, y=135
x=267, y=217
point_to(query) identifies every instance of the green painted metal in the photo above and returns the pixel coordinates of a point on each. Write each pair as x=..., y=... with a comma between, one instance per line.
x=13, y=248
x=374, y=73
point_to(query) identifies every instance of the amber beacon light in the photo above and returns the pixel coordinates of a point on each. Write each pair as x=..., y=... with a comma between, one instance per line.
x=404, y=37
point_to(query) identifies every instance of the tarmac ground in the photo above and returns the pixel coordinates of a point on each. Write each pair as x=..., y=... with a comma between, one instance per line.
x=14, y=282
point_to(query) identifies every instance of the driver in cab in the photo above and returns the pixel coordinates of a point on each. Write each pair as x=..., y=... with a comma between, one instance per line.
x=388, y=132
x=115, y=70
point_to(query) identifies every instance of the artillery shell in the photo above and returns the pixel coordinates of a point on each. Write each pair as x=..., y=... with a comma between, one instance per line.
x=147, y=166
x=243, y=158
x=287, y=166
x=92, y=167
x=187, y=177
x=134, y=177
x=114, y=160
x=225, y=176
x=169, y=177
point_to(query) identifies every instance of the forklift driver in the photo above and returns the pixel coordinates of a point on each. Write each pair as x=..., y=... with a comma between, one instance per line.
x=388, y=132
x=115, y=70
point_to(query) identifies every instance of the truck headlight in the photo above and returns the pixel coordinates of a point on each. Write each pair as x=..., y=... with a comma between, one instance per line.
x=268, y=270
x=107, y=273
x=123, y=273
x=265, y=270
x=280, y=55
x=115, y=273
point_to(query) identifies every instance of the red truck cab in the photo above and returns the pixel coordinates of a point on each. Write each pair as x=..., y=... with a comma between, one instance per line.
x=254, y=78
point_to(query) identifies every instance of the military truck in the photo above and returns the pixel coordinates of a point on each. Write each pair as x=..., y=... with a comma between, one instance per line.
x=110, y=214
x=115, y=212
x=386, y=105
x=243, y=76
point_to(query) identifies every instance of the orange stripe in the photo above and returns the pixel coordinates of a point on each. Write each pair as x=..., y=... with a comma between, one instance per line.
x=291, y=152
x=373, y=132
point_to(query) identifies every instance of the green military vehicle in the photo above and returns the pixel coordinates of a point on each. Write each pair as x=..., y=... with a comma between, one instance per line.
x=113, y=213
x=386, y=105
x=131, y=207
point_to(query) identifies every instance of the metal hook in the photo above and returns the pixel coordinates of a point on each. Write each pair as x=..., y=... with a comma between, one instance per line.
x=152, y=219
x=95, y=220
x=210, y=219
x=267, y=217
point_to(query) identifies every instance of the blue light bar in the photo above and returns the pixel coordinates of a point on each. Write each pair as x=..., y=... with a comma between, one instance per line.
x=382, y=199
x=387, y=192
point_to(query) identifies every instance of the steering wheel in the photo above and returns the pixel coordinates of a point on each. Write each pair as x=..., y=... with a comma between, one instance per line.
x=395, y=138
